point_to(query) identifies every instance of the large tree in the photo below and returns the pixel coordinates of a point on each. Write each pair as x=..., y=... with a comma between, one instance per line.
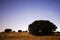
x=41, y=27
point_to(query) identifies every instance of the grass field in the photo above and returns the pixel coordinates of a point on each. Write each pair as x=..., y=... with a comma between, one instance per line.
x=25, y=36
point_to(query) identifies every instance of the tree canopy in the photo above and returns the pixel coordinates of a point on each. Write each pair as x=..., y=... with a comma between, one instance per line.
x=41, y=27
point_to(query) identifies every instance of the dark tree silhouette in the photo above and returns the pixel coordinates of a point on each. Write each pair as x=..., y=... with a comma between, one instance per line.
x=41, y=27
x=8, y=30
x=19, y=30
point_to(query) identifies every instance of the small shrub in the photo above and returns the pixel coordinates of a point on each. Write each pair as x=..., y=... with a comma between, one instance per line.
x=19, y=30
x=13, y=31
x=24, y=31
x=8, y=30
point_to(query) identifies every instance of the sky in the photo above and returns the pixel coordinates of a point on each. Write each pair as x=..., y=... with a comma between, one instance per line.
x=18, y=14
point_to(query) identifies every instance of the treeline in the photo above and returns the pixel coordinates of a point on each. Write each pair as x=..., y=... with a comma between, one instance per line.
x=10, y=30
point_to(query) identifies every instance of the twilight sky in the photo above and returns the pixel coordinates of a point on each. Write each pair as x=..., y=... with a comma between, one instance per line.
x=18, y=14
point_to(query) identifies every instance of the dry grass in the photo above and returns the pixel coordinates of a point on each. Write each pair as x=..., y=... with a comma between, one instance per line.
x=25, y=36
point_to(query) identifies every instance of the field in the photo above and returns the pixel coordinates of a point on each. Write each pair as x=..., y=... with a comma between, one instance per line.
x=25, y=36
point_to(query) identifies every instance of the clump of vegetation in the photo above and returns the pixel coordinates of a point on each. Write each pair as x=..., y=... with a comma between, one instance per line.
x=8, y=30
x=42, y=27
x=19, y=30
x=25, y=31
x=58, y=32
x=13, y=31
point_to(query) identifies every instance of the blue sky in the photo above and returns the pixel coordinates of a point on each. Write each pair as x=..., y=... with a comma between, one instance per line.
x=18, y=14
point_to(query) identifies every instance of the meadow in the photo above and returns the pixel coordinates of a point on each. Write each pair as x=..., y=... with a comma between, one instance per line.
x=25, y=36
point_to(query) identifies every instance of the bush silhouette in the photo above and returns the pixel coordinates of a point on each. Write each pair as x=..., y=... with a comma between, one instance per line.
x=8, y=30
x=58, y=32
x=13, y=31
x=1, y=32
x=25, y=31
x=19, y=30
x=42, y=27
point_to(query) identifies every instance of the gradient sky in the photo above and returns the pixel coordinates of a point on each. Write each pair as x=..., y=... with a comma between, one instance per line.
x=18, y=14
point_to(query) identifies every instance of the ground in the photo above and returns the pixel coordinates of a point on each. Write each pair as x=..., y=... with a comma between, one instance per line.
x=25, y=36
